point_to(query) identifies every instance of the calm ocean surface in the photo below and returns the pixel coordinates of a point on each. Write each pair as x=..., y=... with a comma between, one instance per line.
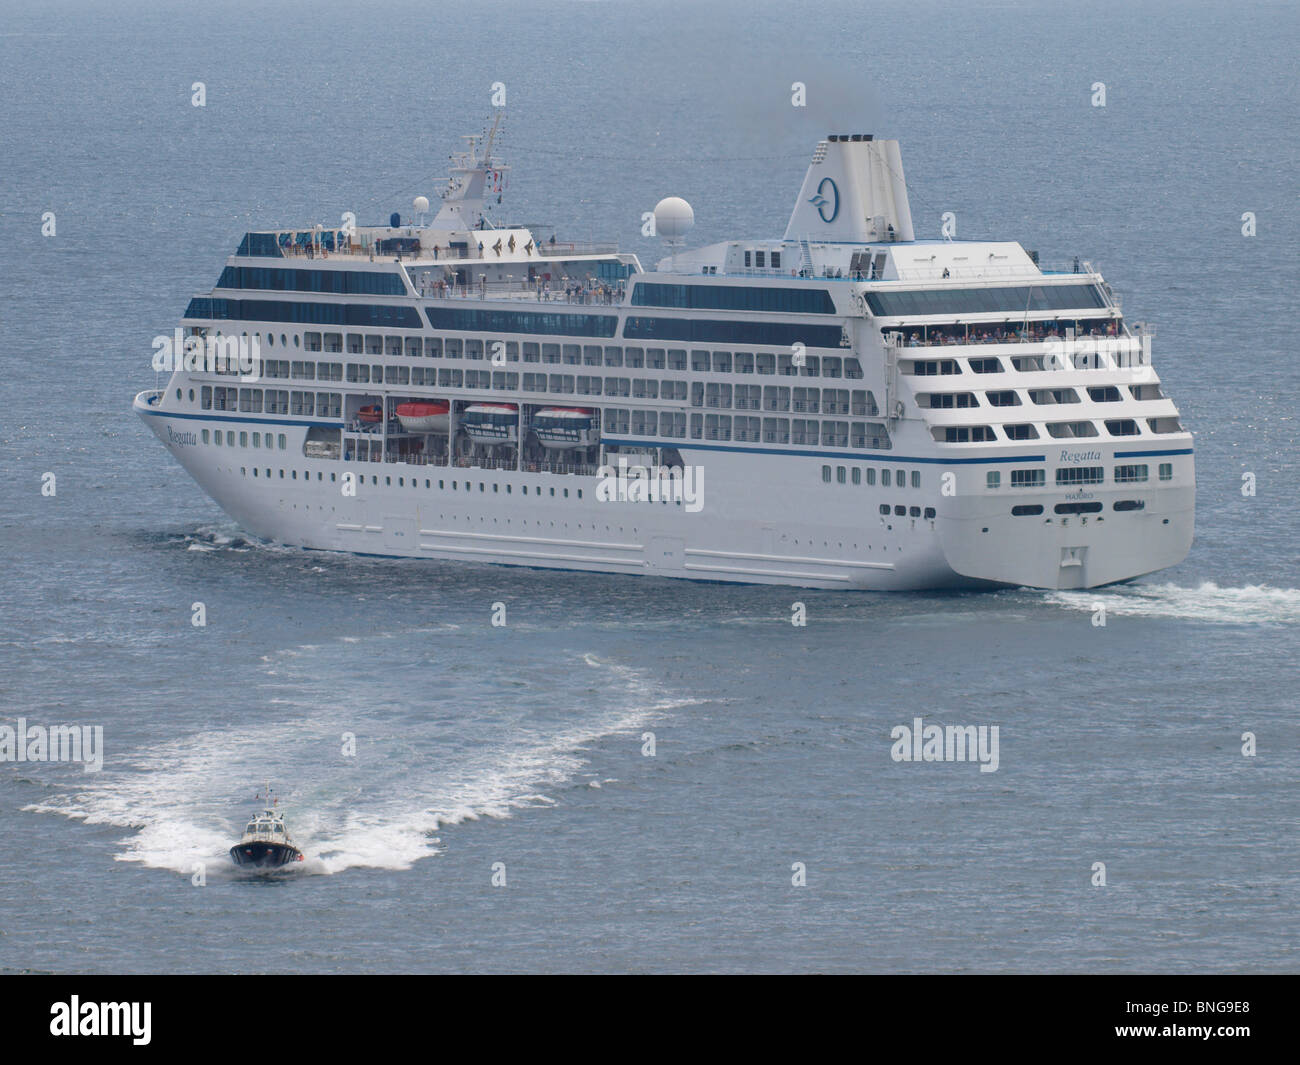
x=479, y=745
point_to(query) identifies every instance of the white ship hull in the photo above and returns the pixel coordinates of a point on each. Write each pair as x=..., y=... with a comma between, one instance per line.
x=828, y=536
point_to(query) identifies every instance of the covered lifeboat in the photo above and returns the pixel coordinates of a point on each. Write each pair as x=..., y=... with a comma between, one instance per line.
x=491, y=423
x=560, y=428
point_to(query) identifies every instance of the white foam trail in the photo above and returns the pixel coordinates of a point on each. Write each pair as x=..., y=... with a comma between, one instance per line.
x=1251, y=604
x=185, y=800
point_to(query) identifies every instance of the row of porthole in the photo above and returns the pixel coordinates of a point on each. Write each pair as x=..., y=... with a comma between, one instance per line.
x=457, y=485
x=483, y=518
x=284, y=343
x=901, y=511
x=468, y=486
x=306, y=474
x=844, y=474
x=271, y=442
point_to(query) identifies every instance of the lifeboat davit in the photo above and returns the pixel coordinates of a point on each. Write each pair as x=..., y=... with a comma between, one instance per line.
x=492, y=423
x=432, y=416
x=560, y=428
x=371, y=415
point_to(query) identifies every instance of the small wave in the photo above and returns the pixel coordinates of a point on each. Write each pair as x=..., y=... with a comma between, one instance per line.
x=212, y=538
x=1251, y=604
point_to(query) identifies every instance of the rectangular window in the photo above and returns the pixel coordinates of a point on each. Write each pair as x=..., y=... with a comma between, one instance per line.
x=993, y=479
x=1071, y=475
x=1028, y=478
x=492, y=321
x=703, y=330
x=735, y=297
x=1018, y=299
x=340, y=282
x=1130, y=474
x=305, y=313
x=1166, y=471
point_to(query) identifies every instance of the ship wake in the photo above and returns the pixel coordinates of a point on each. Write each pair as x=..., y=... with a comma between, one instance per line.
x=1251, y=604
x=184, y=801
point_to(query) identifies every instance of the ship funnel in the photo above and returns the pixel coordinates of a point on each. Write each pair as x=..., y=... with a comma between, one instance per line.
x=854, y=191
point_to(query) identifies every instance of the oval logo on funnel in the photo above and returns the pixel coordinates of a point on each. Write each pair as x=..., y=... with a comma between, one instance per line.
x=827, y=208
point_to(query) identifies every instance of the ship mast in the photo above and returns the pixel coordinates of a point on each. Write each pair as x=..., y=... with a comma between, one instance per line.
x=470, y=182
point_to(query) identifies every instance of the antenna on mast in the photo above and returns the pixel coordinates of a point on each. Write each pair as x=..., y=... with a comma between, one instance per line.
x=474, y=177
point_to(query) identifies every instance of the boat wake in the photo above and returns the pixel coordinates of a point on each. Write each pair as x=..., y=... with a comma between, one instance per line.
x=185, y=801
x=1252, y=604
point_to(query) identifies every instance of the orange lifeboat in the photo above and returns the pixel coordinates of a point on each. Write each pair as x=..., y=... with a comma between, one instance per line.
x=426, y=416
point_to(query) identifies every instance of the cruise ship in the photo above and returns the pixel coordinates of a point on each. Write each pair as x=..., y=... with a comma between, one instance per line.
x=844, y=406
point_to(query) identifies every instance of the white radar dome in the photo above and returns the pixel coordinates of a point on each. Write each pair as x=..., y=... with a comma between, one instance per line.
x=673, y=217
x=421, y=204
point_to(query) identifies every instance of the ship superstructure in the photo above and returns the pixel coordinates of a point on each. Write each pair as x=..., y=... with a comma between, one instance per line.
x=849, y=406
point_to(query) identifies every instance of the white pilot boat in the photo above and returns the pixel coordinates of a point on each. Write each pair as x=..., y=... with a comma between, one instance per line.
x=265, y=843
